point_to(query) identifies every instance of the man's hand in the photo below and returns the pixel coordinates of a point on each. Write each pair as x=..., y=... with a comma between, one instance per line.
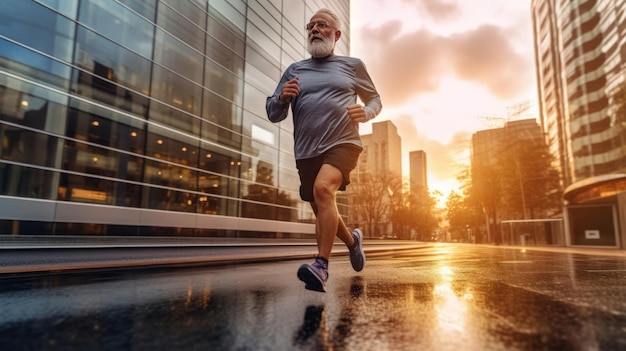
x=290, y=89
x=357, y=113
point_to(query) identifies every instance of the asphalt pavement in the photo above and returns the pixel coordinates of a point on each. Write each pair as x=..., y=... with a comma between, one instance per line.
x=426, y=297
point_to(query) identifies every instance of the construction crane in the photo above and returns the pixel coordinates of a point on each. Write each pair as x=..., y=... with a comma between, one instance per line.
x=518, y=111
x=513, y=112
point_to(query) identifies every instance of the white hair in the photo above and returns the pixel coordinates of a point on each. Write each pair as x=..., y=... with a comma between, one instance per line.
x=329, y=12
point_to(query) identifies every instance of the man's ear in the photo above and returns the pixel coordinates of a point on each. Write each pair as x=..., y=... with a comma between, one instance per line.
x=337, y=35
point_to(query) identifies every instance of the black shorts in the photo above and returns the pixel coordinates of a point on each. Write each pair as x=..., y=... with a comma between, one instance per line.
x=342, y=156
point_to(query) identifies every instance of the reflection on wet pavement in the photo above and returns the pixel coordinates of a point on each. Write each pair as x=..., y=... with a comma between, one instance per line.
x=441, y=299
x=313, y=334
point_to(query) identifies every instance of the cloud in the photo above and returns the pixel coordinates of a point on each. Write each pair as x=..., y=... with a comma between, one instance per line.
x=486, y=56
x=405, y=64
x=438, y=11
x=443, y=159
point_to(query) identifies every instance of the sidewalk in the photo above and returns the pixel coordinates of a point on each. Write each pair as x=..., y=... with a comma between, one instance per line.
x=40, y=255
x=47, y=254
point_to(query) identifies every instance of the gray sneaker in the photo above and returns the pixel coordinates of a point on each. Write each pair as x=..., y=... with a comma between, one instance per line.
x=357, y=256
x=313, y=276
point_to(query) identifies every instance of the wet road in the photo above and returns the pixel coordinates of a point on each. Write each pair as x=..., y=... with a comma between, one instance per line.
x=447, y=297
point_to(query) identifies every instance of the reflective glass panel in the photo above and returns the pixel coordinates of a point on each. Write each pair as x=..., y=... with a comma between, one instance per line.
x=92, y=160
x=222, y=120
x=178, y=57
x=24, y=62
x=230, y=13
x=27, y=182
x=106, y=68
x=32, y=106
x=169, y=175
x=223, y=82
x=255, y=56
x=160, y=198
x=111, y=61
x=221, y=34
x=178, y=92
x=224, y=56
x=84, y=188
x=185, y=21
x=118, y=23
x=103, y=131
x=163, y=144
x=37, y=27
x=146, y=8
x=66, y=7
x=28, y=147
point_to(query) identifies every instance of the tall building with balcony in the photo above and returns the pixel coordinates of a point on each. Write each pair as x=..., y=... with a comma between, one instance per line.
x=580, y=53
x=147, y=117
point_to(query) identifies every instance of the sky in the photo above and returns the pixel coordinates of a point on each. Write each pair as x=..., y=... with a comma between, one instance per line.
x=445, y=69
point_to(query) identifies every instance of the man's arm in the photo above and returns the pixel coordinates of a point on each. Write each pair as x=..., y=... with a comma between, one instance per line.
x=277, y=105
x=367, y=93
x=276, y=110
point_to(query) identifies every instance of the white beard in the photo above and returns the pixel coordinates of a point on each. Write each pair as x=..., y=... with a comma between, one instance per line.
x=322, y=48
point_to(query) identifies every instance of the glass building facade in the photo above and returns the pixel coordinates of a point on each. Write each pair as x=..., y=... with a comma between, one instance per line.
x=147, y=117
x=580, y=53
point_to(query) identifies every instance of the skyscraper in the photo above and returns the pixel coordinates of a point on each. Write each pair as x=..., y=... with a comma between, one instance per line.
x=418, y=169
x=148, y=117
x=382, y=150
x=579, y=49
x=379, y=168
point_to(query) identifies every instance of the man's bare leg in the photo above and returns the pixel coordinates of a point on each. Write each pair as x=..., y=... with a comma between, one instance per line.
x=328, y=222
x=328, y=225
x=343, y=233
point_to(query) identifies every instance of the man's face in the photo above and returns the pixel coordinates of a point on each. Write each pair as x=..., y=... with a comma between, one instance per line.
x=321, y=35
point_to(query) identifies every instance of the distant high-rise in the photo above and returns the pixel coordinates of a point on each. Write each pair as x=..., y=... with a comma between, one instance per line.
x=382, y=150
x=381, y=157
x=580, y=52
x=487, y=145
x=418, y=169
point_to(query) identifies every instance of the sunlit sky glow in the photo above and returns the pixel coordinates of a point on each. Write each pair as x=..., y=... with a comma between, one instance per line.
x=440, y=66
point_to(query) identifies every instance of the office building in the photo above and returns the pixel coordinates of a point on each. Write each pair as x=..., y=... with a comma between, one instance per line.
x=581, y=75
x=378, y=172
x=382, y=150
x=418, y=170
x=515, y=185
x=579, y=48
x=147, y=117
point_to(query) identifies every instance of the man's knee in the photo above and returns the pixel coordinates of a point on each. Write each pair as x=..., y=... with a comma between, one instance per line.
x=323, y=192
x=327, y=183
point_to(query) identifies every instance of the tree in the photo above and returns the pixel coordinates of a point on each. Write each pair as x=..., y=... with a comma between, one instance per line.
x=383, y=203
x=485, y=193
x=513, y=177
x=463, y=217
x=532, y=182
x=370, y=200
x=400, y=215
x=422, y=206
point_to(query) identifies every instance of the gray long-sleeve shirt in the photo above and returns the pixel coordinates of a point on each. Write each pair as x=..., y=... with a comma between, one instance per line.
x=327, y=87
